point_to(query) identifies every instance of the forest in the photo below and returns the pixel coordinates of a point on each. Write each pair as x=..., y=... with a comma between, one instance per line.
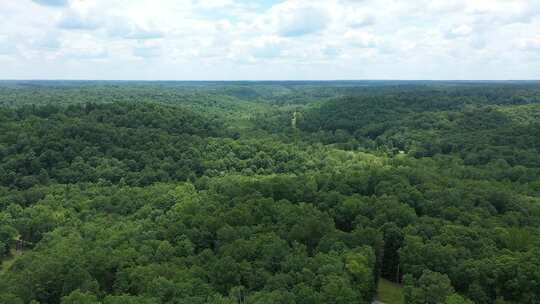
x=269, y=192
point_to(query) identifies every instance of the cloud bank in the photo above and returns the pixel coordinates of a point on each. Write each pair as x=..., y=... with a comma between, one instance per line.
x=270, y=39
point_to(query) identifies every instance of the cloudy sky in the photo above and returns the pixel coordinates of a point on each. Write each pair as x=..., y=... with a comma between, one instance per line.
x=269, y=39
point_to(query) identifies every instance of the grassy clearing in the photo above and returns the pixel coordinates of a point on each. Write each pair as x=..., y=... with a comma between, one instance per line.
x=8, y=261
x=389, y=293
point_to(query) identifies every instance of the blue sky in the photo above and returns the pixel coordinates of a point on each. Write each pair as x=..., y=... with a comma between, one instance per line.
x=269, y=39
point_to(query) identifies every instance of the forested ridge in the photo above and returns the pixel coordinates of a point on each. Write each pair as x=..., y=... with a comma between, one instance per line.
x=269, y=192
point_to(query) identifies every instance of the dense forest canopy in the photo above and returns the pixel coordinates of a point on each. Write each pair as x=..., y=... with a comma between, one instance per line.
x=269, y=192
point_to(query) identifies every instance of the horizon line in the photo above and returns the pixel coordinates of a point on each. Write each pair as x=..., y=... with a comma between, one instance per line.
x=267, y=80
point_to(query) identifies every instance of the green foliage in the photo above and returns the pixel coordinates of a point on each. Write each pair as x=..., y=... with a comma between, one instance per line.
x=457, y=299
x=78, y=297
x=430, y=288
x=194, y=193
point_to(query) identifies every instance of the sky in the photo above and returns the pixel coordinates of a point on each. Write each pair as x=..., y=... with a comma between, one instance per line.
x=270, y=39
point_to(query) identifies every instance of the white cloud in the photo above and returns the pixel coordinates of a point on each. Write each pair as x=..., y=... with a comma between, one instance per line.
x=124, y=28
x=147, y=51
x=215, y=4
x=357, y=17
x=297, y=19
x=85, y=54
x=281, y=39
x=52, y=2
x=362, y=21
x=361, y=39
x=48, y=42
x=269, y=48
x=459, y=31
x=72, y=20
x=478, y=42
x=530, y=44
x=6, y=48
x=82, y=46
x=331, y=52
